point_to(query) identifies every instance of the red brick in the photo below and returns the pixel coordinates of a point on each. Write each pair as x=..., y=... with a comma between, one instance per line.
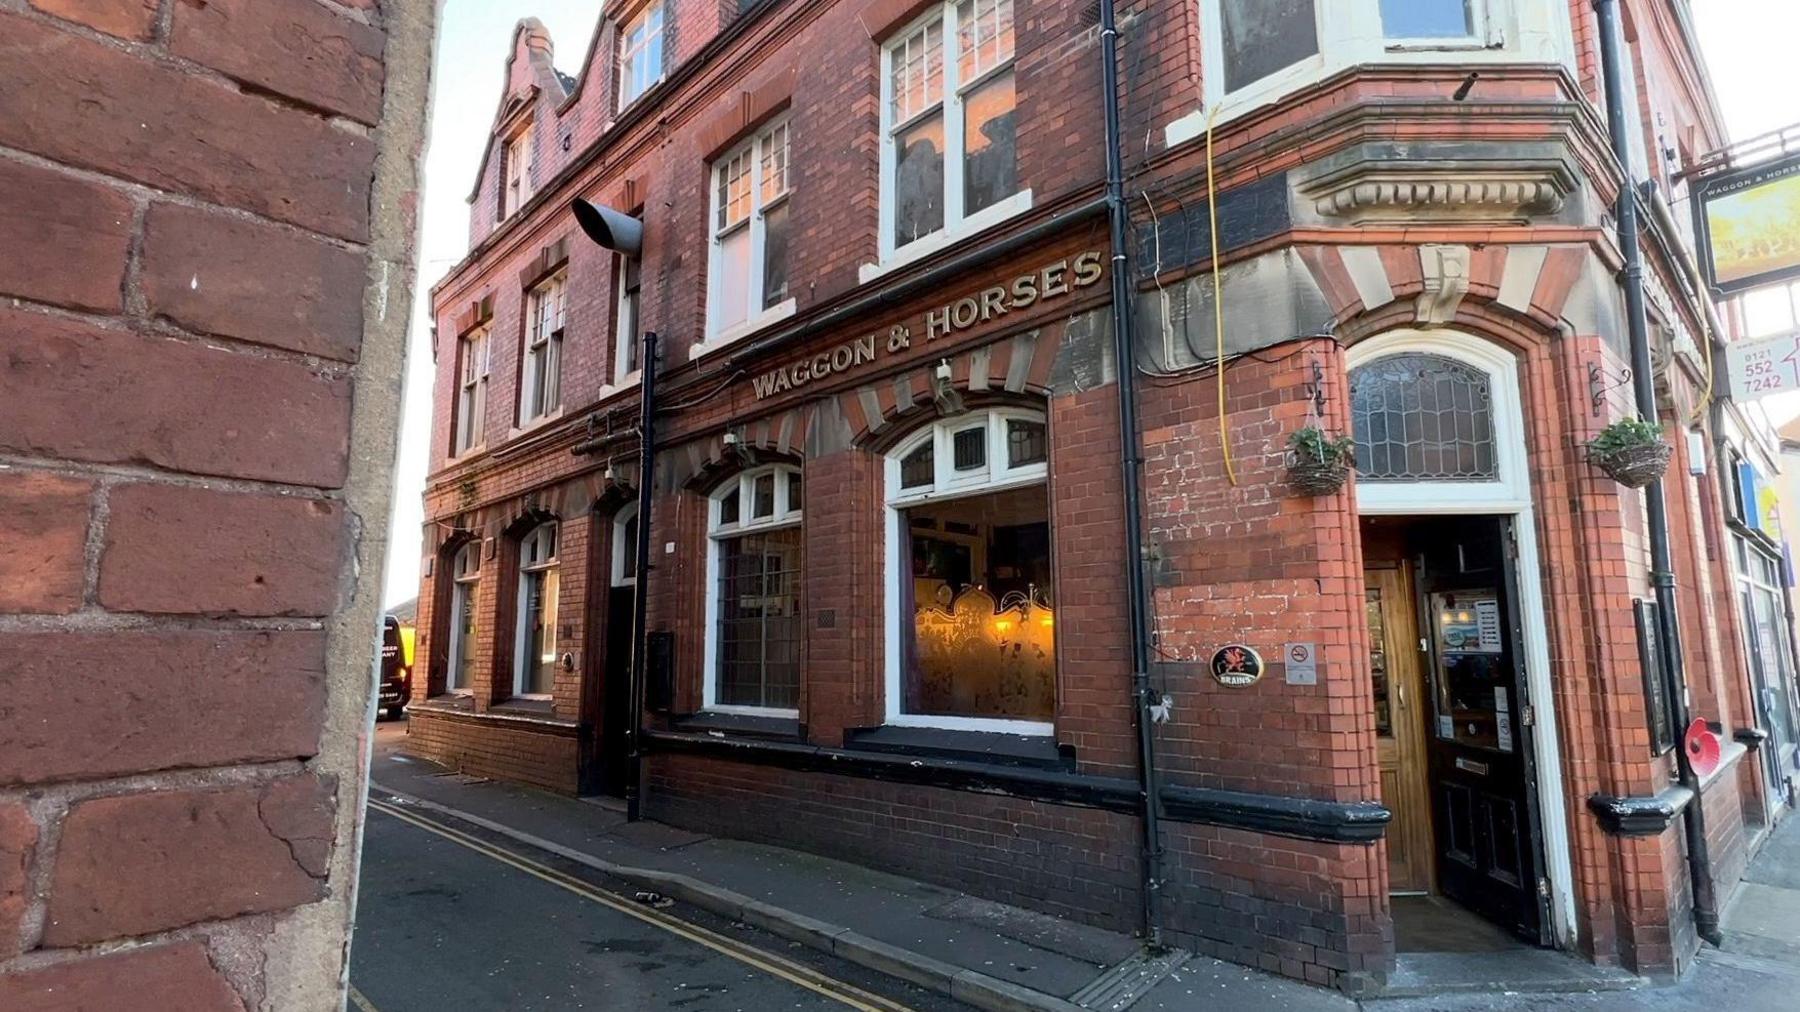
x=255, y=282
x=128, y=19
x=175, y=549
x=128, y=865
x=178, y=976
x=166, y=127
x=75, y=390
x=43, y=523
x=297, y=48
x=137, y=700
x=87, y=224
x=18, y=840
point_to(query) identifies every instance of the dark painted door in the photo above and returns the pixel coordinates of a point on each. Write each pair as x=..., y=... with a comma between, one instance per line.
x=615, y=702
x=1484, y=810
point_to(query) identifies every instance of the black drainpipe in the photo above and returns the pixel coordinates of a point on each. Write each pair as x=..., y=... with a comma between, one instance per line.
x=640, y=605
x=1125, y=362
x=1643, y=373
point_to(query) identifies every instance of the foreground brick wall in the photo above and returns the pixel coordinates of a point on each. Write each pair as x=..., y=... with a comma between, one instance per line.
x=206, y=210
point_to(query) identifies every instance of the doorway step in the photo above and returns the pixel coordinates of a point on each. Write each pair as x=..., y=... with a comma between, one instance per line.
x=1445, y=949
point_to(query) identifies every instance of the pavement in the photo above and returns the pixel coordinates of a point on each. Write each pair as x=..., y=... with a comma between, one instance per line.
x=508, y=945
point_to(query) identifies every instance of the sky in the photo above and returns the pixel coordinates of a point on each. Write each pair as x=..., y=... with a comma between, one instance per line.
x=1748, y=45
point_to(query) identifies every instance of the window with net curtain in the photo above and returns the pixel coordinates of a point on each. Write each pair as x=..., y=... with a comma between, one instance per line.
x=755, y=627
x=1422, y=417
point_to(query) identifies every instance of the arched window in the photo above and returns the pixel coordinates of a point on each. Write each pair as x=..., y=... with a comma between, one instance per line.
x=1422, y=417
x=465, y=574
x=534, y=664
x=971, y=630
x=624, y=547
x=753, y=620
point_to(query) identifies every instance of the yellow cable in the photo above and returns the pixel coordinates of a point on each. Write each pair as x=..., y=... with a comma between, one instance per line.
x=1212, y=216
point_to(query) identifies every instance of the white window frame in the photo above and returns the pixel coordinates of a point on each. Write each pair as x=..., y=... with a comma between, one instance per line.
x=623, y=548
x=756, y=149
x=997, y=476
x=651, y=22
x=518, y=173
x=465, y=578
x=626, y=333
x=533, y=544
x=785, y=514
x=546, y=316
x=957, y=226
x=1350, y=33
x=475, y=353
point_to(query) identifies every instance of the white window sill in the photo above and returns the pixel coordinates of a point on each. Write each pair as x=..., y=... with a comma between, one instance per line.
x=991, y=725
x=919, y=249
x=737, y=332
x=474, y=451
x=629, y=382
x=534, y=697
x=535, y=423
x=753, y=711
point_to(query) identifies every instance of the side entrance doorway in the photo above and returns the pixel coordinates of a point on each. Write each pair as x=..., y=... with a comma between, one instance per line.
x=605, y=753
x=1454, y=718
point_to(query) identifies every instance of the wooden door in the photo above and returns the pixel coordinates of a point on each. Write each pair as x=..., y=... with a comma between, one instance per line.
x=1399, y=726
x=1479, y=745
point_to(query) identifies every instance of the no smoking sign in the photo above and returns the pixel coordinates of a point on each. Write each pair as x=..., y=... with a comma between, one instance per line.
x=1302, y=663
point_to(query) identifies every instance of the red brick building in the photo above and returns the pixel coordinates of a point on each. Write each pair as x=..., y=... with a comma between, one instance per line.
x=888, y=609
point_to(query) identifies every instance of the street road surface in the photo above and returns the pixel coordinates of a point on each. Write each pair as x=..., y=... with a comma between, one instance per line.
x=450, y=919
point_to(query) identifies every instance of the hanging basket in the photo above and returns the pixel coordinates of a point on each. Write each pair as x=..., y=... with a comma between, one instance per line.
x=1318, y=477
x=1634, y=466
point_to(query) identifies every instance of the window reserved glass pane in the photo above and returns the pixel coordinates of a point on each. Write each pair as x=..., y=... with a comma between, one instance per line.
x=916, y=469
x=917, y=75
x=629, y=333
x=1427, y=19
x=984, y=36
x=759, y=631
x=990, y=150
x=1261, y=37
x=733, y=300
x=775, y=255
x=794, y=500
x=628, y=536
x=919, y=179
x=982, y=640
x=1025, y=443
x=763, y=497
x=969, y=449
x=775, y=164
x=729, y=509
x=462, y=667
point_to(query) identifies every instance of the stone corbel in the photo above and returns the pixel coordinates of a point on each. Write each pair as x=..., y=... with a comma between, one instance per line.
x=1446, y=279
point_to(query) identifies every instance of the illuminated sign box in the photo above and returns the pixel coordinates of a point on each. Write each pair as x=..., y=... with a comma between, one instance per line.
x=1748, y=221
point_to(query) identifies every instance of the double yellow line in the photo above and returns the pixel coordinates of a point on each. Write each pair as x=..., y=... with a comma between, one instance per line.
x=778, y=966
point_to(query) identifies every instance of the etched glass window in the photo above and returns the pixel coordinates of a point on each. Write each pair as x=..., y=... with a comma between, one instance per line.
x=1420, y=417
x=756, y=628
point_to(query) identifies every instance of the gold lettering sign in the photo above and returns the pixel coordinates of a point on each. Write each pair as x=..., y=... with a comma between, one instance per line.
x=1052, y=281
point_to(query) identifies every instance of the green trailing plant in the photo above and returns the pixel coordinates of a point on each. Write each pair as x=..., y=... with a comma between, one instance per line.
x=1625, y=434
x=1631, y=451
x=1313, y=445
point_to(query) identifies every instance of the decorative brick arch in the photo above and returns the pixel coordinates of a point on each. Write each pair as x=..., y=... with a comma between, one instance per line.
x=1017, y=365
x=1431, y=285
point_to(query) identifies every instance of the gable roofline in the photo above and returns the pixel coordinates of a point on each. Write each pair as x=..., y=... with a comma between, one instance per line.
x=549, y=80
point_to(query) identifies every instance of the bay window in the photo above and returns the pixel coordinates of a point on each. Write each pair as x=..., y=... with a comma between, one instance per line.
x=754, y=627
x=640, y=54
x=542, y=380
x=971, y=629
x=748, y=274
x=471, y=397
x=465, y=574
x=949, y=152
x=534, y=650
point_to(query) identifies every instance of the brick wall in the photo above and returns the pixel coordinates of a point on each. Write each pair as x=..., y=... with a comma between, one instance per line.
x=192, y=409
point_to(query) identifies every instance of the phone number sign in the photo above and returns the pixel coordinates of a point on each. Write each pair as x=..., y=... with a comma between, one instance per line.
x=1767, y=366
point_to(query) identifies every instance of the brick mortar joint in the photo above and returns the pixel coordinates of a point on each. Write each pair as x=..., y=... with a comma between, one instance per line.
x=149, y=326
x=120, y=474
x=131, y=188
